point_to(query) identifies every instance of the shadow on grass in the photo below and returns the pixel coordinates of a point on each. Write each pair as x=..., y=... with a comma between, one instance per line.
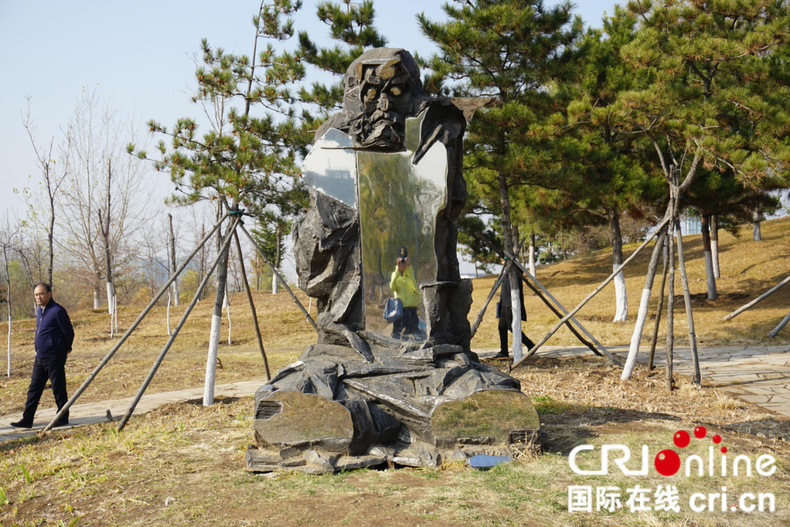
x=569, y=429
x=772, y=428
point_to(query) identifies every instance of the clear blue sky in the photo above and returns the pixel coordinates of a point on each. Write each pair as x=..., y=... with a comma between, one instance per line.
x=138, y=55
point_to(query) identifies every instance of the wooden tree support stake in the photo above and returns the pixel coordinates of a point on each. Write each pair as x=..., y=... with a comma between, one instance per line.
x=591, y=295
x=252, y=306
x=134, y=325
x=778, y=328
x=280, y=278
x=177, y=329
x=659, y=309
x=568, y=324
x=689, y=313
x=758, y=299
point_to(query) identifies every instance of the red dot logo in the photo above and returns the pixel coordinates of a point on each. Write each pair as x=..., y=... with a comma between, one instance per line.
x=700, y=432
x=717, y=439
x=667, y=462
x=681, y=439
x=724, y=450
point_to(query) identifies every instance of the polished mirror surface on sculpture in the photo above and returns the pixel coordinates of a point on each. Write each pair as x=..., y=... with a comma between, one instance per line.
x=386, y=192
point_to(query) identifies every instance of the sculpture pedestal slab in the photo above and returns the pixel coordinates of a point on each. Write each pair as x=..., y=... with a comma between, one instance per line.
x=333, y=411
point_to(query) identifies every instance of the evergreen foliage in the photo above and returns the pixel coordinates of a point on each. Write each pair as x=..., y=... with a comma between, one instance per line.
x=517, y=51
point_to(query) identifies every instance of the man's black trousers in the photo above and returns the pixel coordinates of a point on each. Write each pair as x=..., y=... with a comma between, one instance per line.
x=505, y=325
x=43, y=369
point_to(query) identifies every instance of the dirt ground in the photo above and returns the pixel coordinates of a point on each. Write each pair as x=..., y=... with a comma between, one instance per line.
x=183, y=464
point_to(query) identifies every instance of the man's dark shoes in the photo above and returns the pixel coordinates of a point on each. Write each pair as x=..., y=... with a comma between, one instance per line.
x=22, y=424
x=62, y=422
x=501, y=355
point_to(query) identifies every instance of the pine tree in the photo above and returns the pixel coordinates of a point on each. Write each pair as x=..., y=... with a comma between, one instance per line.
x=351, y=26
x=248, y=156
x=606, y=177
x=708, y=98
x=514, y=51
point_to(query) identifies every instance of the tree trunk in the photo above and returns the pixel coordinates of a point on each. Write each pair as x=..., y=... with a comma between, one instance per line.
x=510, y=245
x=706, y=246
x=689, y=310
x=216, y=320
x=621, y=297
x=174, y=292
x=96, y=297
x=169, y=300
x=51, y=230
x=756, y=234
x=8, y=305
x=659, y=309
x=278, y=237
x=104, y=224
x=202, y=258
x=226, y=306
x=671, y=308
x=714, y=244
x=532, y=253
x=641, y=317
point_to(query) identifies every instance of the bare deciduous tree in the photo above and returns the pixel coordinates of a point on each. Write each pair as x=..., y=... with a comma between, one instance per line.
x=103, y=200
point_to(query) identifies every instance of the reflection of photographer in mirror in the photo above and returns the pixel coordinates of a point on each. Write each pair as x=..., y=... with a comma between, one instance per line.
x=405, y=287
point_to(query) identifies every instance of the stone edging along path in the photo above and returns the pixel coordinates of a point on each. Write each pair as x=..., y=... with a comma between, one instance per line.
x=757, y=374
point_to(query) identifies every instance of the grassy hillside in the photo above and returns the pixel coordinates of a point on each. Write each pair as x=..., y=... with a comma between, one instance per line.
x=182, y=464
x=748, y=269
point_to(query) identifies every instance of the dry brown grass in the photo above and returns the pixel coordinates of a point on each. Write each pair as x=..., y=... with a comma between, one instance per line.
x=183, y=465
x=748, y=269
x=285, y=335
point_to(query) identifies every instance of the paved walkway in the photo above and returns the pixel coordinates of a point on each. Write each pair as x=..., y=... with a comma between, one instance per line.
x=758, y=374
x=100, y=412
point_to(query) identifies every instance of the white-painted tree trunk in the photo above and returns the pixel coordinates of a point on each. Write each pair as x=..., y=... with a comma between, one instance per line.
x=211, y=361
x=112, y=309
x=707, y=249
x=641, y=317
x=621, y=296
x=714, y=245
x=756, y=233
x=274, y=283
x=636, y=337
x=709, y=273
x=620, y=293
x=110, y=294
x=226, y=307
x=169, y=297
x=532, y=254
x=9, y=344
x=515, y=302
x=96, y=298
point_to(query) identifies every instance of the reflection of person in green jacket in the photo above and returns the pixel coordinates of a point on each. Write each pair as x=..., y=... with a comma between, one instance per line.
x=405, y=287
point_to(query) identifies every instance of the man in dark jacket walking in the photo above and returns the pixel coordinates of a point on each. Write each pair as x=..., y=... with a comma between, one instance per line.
x=505, y=315
x=54, y=337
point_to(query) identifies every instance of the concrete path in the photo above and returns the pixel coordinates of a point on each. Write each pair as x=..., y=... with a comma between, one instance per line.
x=757, y=374
x=100, y=412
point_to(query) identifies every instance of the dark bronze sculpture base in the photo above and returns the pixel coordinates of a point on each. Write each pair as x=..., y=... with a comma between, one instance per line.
x=333, y=411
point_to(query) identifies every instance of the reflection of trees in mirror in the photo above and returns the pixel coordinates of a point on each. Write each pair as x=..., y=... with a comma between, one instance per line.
x=398, y=208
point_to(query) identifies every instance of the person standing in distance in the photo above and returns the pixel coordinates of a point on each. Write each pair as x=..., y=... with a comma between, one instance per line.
x=54, y=338
x=505, y=315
